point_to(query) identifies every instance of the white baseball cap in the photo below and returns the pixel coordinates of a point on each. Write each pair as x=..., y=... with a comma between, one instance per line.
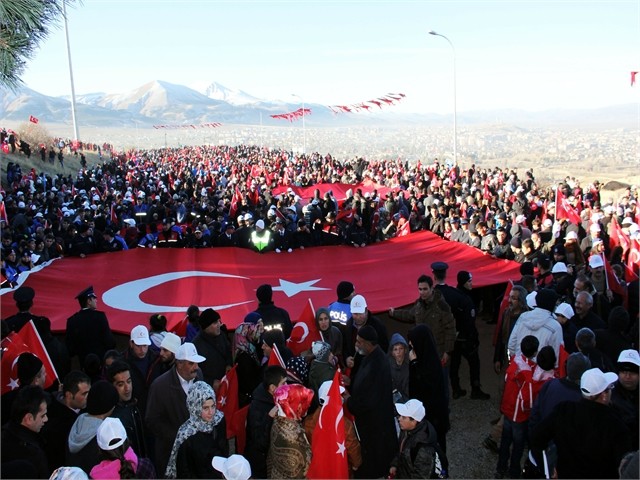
x=594, y=381
x=358, y=304
x=171, y=342
x=413, y=408
x=111, y=434
x=188, y=352
x=571, y=236
x=629, y=356
x=565, y=310
x=531, y=299
x=595, y=261
x=140, y=335
x=559, y=267
x=260, y=223
x=236, y=467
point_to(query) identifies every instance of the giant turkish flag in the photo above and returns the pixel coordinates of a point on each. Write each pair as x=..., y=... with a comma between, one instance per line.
x=134, y=284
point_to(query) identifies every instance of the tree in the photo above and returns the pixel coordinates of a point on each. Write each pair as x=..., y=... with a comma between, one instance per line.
x=24, y=24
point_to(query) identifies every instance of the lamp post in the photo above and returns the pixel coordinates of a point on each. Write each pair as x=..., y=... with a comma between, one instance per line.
x=304, y=131
x=455, y=119
x=76, y=133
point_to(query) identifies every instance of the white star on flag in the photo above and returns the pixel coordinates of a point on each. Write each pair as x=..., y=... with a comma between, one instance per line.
x=291, y=288
x=223, y=401
x=13, y=383
x=341, y=448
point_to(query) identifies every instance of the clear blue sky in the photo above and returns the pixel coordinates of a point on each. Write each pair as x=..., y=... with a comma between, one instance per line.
x=533, y=55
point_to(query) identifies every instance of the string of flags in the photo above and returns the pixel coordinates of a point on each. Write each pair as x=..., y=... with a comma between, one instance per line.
x=385, y=101
x=291, y=116
x=176, y=127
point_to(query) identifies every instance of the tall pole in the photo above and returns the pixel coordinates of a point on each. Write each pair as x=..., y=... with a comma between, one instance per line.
x=455, y=117
x=304, y=131
x=73, y=90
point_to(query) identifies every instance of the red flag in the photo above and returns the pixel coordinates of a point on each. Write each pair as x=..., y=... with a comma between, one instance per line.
x=404, y=227
x=565, y=210
x=3, y=213
x=633, y=78
x=563, y=355
x=180, y=328
x=305, y=331
x=33, y=119
x=26, y=340
x=239, y=421
x=328, y=444
x=113, y=215
x=612, y=281
x=617, y=236
x=503, y=306
x=235, y=201
x=275, y=358
x=227, y=399
x=633, y=261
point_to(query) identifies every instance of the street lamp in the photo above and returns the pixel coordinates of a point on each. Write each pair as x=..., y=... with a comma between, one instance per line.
x=304, y=132
x=76, y=134
x=455, y=120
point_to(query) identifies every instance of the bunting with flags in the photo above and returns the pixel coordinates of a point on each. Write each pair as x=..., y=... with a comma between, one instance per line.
x=291, y=116
x=380, y=102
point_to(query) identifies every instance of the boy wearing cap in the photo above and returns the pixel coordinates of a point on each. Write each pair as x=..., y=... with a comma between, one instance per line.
x=141, y=359
x=590, y=437
x=236, y=467
x=418, y=444
x=624, y=397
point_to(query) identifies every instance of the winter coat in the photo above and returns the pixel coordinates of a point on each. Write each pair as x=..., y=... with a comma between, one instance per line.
x=83, y=446
x=20, y=443
x=416, y=457
x=196, y=452
x=541, y=324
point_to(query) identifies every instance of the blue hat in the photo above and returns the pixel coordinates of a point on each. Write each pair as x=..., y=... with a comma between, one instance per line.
x=439, y=266
x=86, y=293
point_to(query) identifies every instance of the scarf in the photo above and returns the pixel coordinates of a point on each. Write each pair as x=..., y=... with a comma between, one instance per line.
x=199, y=393
x=244, y=340
x=293, y=401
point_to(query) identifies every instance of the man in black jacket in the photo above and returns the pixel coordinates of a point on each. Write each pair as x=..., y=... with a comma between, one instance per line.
x=212, y=343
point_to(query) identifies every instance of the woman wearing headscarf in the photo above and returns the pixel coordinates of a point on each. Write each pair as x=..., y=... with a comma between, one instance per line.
x=200, y=438
x=271, y=338
x=289, y=452
x=330, y=333
x=427, y=382
x=246, y=356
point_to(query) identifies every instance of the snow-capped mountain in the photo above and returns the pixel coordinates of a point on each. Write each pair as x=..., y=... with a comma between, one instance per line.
x=231, y=96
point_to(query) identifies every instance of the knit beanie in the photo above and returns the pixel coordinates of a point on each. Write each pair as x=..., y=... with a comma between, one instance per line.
x=102, y=398
x=208, y=317
x=344, y=289
x=321, y=350
x=264, y=293
x=369, y=334
x=28, y=367
x=463, y=277
x=252, y=317
x=546, y=298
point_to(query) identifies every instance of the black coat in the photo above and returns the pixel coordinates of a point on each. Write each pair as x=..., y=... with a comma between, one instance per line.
x=591, y=439
x=276, y=317
x=197, y=451
x=20, y=443
x=371, y=403
x=259, y=431
x=56, y=432
x=217, y=352
x=88, y=332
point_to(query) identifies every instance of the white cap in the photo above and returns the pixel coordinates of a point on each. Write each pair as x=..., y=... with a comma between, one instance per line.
x=595, y=261
x=594, y=381
x=21, y=205
x=413, y=408
x=38, y=215
x=323, y=391
x=571, y=236
x=188, y=352
x=531, y=299
x=111, y=434
x=140, y=335
x=565, y=310
x=629, y=356
x=559, y=267
x=594, y=227
x=236, y=467
x=260, y=224
x=626, y=221
x=171, y=342
x=248, y=216
x=547, y=222
x=521, y=219
x=130, y=221
x=358, y=304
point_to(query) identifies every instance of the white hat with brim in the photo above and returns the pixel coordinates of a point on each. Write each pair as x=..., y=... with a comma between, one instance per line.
x=188, y=352
x=594, y=381
x=413, y=409
x=236, y=467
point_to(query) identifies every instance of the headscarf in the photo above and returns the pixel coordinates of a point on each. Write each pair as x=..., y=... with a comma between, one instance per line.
x=199, y=393
x=245, y=339
x=293, y=401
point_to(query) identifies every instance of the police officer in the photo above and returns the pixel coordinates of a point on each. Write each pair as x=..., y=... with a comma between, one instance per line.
x=88, y=330
x=466, y=334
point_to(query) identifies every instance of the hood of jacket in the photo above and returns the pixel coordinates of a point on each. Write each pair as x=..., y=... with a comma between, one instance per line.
x=536, y=318
x=83, y=431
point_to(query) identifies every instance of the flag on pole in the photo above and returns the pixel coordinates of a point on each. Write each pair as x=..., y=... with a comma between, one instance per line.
x=275, y=358
x=26, y=340
x=305, y=331
x=633, y=78
x=565, y=210
x=227, y=399
x=328, y=444
x=503, y=306
x=33, y=119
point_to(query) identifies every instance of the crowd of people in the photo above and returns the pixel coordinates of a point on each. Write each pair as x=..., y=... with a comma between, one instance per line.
x=565, y=336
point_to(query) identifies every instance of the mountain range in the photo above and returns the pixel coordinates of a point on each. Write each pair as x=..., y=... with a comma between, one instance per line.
x=160, y=103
